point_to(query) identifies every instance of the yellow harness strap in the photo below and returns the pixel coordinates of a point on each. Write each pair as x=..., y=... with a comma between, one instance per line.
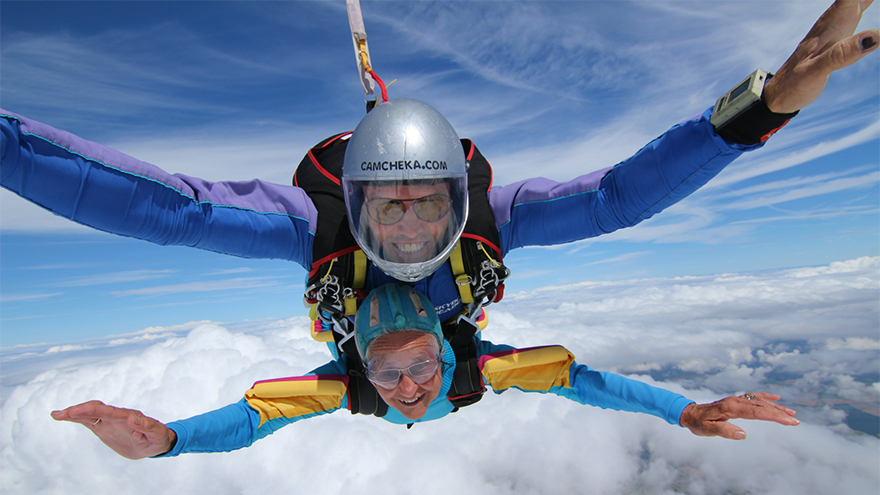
x=360, y=274
x=462, y=280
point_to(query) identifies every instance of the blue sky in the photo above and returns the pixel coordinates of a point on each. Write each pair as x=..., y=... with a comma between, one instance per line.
x=237, y=90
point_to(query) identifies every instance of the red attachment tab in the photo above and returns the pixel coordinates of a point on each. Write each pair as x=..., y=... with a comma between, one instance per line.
x=499, y=293
x=767, y=136
x=381, y=84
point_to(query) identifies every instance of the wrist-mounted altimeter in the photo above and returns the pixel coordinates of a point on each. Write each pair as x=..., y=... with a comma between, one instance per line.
x=735, y=102
x=741, y=115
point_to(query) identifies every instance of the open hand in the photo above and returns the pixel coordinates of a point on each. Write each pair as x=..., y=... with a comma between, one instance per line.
x=830, y=45
x=711, y=420
x=127, y=431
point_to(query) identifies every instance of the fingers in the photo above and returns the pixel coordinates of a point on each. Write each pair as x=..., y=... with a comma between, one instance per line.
x=128, y=432
x=713, y=419
x=830, y=45
x=762, y=408
x=94, y=414
x=85, y=413
x=837, y=22
x=831, y=41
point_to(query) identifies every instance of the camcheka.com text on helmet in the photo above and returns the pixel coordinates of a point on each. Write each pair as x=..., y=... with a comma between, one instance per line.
x=404, y=165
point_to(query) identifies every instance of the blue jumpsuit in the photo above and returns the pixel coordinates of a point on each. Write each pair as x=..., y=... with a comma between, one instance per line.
x=273, y=404
x=107, y=190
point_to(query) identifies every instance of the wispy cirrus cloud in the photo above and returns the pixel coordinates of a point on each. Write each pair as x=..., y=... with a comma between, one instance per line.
x=816, y=188
x=115, y=278
x=209, y=286
x=792, y=157
x=8, y=298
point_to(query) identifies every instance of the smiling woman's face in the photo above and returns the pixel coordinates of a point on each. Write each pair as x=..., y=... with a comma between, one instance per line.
x=400, y=350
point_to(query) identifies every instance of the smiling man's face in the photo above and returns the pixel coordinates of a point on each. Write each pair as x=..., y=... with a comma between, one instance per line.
x=411, y=239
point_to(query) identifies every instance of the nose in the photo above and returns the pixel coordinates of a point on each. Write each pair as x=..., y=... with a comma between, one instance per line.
x=410, y=222
x=407, y=386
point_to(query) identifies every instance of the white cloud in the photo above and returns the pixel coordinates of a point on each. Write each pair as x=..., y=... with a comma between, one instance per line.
x=856, y=343
x=67, y=348
x=791, y=332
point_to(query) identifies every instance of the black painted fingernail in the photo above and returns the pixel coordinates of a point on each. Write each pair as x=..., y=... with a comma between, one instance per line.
x=868, y=43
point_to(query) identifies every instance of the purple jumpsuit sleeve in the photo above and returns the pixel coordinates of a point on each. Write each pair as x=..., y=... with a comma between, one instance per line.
x=110, y=191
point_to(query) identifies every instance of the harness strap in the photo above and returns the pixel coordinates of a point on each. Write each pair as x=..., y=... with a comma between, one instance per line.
x=362, y=395
x=359, y=266
x=362, y=55
x=467, y=381
x=337, y=277
x=359, y=38
x=462, y=280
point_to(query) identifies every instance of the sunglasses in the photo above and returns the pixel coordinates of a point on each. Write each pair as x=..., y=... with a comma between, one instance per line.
x=390, y=211
x=389, y=378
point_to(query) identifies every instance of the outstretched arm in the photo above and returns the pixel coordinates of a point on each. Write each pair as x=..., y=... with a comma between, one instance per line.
x=711, y=420
x=110, y=191
x=127, y=431
x=830, y=45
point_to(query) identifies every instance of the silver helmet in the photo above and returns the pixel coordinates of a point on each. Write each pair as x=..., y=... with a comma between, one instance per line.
x=404, y=177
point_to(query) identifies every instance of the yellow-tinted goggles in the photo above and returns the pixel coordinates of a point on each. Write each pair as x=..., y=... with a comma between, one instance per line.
x=390, y=211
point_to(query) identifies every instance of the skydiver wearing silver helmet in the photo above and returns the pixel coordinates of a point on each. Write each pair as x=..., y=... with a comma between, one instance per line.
x=405, y=185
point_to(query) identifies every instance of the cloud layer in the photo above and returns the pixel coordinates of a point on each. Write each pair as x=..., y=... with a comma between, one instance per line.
x=791, y=332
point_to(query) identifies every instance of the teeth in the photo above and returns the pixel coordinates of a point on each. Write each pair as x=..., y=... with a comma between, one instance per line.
x=411, y=401
x=411, y=248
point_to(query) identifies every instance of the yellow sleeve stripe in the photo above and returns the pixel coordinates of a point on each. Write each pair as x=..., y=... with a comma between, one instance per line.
x=297, y=396
x=533, y=369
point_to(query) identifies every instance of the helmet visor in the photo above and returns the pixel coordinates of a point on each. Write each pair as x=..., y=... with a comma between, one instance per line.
x=407, y=228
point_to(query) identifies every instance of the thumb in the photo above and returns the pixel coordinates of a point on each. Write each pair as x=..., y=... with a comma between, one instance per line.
x=850, y=50
x=731, y=431
x=148, y=427
x=137, y=422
